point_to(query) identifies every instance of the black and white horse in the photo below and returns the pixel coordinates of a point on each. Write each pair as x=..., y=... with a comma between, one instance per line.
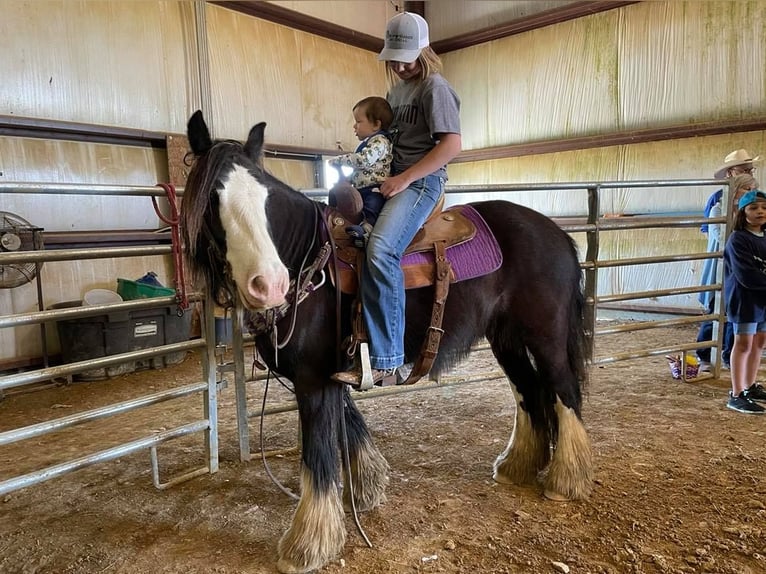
x=248, y=234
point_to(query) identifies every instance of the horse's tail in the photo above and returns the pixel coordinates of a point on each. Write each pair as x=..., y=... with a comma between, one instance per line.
x=579, y=344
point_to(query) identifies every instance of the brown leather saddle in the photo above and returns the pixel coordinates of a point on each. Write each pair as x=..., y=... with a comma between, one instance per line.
x=448, y=228
x=441, y=230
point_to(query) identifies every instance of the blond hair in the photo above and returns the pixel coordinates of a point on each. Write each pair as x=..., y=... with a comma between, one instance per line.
x=430, y=63
x=739, y=181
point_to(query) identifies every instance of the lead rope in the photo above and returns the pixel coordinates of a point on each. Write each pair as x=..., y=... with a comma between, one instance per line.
x=347, y=465
x=179, y=281
x=266, y=466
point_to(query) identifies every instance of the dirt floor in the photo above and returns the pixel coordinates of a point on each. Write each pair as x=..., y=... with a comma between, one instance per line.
x=679, y=483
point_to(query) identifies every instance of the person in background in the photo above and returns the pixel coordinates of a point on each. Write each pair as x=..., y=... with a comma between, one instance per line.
x=745, y=295
x=427, y=137
x=371, y=161
x=738, y=163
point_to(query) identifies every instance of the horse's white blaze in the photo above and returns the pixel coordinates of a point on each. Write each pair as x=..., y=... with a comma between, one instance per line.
x=260, y=275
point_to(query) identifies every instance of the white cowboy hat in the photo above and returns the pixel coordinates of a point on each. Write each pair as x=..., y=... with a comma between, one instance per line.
x=735, y=158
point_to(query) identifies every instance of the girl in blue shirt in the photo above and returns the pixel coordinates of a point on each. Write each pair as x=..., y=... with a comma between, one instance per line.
x=745, y=295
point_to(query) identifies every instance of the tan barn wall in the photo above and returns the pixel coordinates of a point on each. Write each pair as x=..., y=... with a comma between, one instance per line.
x=302, y=85
x=647, y=65
x=134, y=65
x=98, y=62
x=365, y=16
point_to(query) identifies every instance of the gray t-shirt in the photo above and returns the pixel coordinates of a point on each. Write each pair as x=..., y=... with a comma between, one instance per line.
x=421, y=110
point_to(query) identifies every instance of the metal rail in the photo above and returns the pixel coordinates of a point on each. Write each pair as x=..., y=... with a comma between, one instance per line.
x=593, y=227
x=207, y=388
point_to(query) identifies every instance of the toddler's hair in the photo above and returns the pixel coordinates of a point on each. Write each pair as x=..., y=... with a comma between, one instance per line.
x=376, y=109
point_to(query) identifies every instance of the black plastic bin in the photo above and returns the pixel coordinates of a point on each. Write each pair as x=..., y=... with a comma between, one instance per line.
x=92, y=337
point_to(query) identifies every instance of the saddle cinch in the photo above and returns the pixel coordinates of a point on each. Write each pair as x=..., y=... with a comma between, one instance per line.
x=453, y=245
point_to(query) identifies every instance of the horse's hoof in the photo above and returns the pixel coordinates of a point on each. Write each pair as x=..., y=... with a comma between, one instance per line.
x=285, y=567
x=555, y=496
x=501, y=478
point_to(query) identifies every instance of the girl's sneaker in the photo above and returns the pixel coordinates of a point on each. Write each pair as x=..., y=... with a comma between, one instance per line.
x=756, y=392
x=744, y=404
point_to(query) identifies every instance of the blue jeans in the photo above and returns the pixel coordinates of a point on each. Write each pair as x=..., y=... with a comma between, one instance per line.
x=383, y=298
x=372, y=203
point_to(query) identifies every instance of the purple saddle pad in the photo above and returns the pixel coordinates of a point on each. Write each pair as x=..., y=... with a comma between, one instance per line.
x=473, y=258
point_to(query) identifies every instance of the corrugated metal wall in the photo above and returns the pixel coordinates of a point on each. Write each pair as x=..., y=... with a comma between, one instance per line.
x=648, y=65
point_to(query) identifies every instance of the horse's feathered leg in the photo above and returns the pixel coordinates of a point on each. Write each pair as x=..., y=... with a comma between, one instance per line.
x=369, y=469
x=528, y=449
x=527, y=452
x=559, y=361
x=317, y=533
x=570, y=475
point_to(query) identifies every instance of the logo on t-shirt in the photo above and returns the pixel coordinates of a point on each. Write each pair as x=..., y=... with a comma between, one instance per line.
x=406, y=114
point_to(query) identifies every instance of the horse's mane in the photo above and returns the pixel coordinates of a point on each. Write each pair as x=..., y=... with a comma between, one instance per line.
x=196, y=211
x=200, y=184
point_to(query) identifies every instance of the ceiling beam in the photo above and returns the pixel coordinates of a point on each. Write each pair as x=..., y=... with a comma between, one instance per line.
x=527, y=23
x=285, y=17
x=292, y=19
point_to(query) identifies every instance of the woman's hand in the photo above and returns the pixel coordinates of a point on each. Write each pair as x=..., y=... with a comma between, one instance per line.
x=446, y=148
x=394, y=184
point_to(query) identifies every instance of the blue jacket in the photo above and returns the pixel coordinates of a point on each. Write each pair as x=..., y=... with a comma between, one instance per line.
x=744, y=277
x=716, y=197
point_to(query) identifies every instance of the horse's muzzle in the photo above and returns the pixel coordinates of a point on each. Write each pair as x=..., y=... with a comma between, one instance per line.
x=265, y=292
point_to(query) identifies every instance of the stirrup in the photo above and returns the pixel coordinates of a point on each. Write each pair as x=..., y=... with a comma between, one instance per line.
x=363, y=377
x=364, y=361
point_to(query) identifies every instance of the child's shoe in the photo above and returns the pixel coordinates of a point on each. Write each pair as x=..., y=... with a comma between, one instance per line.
x=743, y=404
x=756, y=392
x=359, y=233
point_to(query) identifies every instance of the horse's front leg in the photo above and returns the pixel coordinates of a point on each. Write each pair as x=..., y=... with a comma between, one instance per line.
x=369, y=469
x=317, y=533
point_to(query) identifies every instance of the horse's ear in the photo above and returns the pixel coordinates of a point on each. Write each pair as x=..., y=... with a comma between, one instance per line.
x=199, y=135
x=254, y=144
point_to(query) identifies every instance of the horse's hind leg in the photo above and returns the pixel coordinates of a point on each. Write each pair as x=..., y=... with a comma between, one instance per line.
x=528, y=450
x=547, y=413
x=570, y=474
x=369, y=469
x=317, y=532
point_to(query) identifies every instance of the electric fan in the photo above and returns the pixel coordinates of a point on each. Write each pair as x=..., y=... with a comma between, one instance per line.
x=17, y=234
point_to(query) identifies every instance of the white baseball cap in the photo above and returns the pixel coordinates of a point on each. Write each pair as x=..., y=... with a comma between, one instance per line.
x=406, y=36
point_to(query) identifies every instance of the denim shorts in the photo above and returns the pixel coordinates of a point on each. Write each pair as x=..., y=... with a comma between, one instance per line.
x=749, y=328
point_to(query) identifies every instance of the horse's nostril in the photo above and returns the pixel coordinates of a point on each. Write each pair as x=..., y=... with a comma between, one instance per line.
x=257, y=286
x=263, y=290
